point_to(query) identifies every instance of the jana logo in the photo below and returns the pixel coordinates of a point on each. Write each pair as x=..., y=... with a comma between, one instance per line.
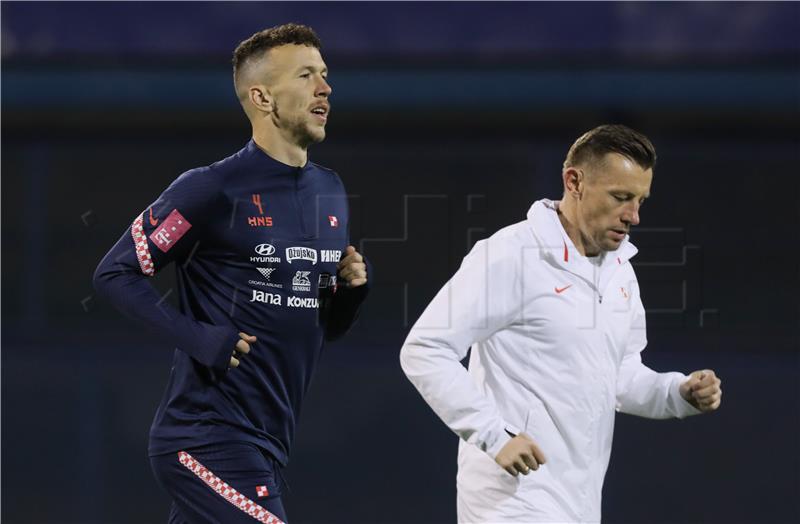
x=265, y=250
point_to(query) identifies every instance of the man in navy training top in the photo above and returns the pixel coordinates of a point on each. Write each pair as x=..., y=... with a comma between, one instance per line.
x=265, y=275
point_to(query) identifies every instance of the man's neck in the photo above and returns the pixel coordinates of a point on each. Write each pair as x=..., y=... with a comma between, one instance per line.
x=567, y=216
x=272, y=143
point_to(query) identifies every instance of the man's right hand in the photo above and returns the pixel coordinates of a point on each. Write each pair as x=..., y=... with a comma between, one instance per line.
x=242, y=348
x=520, y=455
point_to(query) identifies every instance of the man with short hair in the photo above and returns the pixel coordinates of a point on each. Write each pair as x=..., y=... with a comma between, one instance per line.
x=265, y=275
x=550, y=307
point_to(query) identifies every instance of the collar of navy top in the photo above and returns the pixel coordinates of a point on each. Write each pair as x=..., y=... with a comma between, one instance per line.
x=262, y=160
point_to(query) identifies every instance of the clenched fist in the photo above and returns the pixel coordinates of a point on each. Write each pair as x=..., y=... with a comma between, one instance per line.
x=352, y=268
x=703, y=390
x=242, y=348
x=520, y=455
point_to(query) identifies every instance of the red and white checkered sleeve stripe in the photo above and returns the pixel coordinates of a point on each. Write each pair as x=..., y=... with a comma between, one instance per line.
x=140, y=243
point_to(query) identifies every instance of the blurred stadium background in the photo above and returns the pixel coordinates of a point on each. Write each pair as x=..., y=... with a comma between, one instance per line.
x=448, y=120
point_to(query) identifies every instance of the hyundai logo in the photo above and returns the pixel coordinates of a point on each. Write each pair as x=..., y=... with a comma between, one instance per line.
x=265, y=250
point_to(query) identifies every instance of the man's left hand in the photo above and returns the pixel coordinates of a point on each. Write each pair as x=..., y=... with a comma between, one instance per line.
x=703, y=390
x=352, y=268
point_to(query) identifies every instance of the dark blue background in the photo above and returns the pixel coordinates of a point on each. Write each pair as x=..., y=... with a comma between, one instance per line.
x=448, y=120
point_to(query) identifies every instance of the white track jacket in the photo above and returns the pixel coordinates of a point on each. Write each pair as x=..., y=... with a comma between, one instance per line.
x=556, y=341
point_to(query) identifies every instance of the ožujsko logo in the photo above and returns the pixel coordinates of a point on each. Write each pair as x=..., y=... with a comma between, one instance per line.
x=301, y=253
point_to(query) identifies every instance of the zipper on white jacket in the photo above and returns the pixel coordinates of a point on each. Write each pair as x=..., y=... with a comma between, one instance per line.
x=591, y=284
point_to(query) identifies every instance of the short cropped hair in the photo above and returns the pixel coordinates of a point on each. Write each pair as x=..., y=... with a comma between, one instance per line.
x=263, y=41
x=594, y=145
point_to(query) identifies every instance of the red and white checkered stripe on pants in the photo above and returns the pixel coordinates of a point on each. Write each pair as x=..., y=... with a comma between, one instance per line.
x=227, y=492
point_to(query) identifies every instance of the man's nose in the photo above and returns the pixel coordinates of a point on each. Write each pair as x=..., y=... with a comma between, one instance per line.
x=323, y=88
x=631, y=215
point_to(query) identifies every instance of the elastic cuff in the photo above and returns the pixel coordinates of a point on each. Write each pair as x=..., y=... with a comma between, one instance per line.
x=682, y=407
x=225, y=353
x=499, y=441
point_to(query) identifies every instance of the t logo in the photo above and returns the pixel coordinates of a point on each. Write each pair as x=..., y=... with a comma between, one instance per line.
x=162, y=237
x=171, y=230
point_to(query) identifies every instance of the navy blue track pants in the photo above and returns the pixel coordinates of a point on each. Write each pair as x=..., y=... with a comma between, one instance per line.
x=228, y=483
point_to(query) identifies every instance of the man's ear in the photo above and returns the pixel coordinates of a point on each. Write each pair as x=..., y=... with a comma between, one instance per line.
x=261, y=99
x=573, y=182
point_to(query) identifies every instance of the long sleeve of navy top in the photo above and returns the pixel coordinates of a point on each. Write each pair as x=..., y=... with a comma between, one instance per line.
x=256, y=245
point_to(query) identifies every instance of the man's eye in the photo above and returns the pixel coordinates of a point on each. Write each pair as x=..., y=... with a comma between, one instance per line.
x=620, y=198
x=305, y=75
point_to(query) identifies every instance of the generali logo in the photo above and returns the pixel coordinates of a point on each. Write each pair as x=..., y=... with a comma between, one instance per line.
x=301, y=282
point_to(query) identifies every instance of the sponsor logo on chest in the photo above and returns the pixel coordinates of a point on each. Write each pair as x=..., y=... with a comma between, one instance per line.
x=301, y=282
x=311, y=303
x=330, y=255
x=266, y=272
x=327, y=280
x=266, y=253
x=273, y=299
x=301, y=253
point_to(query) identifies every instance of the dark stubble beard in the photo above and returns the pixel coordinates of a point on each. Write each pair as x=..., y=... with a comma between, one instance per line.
x=297, y=130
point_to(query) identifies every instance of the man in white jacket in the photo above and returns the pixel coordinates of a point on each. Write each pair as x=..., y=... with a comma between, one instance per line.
x=550, y=307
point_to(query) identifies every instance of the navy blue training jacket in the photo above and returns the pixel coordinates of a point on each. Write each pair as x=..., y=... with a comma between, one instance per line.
x=256, y=245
